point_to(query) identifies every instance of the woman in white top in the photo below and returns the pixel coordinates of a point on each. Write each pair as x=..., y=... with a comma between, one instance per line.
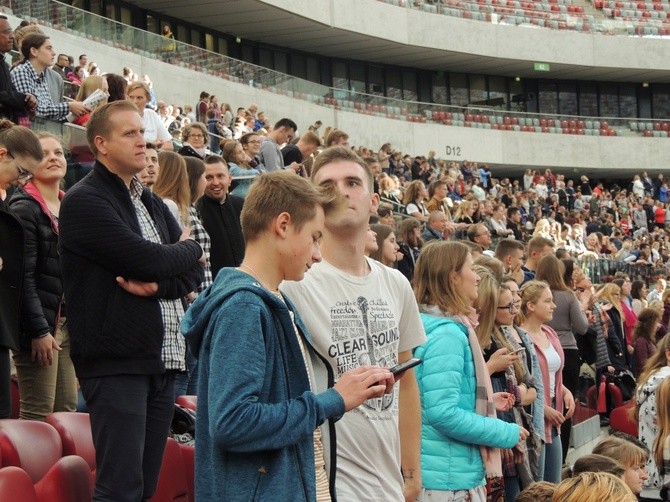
x=415, y=195
x=537, y=308
x=638, y=187
x=154, y=129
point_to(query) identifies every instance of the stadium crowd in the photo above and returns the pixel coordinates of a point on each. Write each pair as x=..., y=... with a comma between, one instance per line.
x=347, y=261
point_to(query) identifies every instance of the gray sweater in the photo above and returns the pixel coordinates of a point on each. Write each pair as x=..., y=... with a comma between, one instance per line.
x=568, y=318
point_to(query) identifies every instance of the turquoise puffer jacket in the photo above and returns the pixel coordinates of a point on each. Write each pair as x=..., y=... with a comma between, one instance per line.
x=451, y=430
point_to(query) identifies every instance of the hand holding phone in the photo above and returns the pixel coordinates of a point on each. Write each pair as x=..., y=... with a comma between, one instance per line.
x=399, y=369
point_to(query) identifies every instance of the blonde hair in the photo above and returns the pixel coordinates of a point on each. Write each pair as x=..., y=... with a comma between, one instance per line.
x=530, y=293
x=413, y=192
x=593, y=487
x=89, y=86
x=540, y=491
x=607, y=293
x=433, y=276
x=625, y=452
x=462, y=209
x=662, y=420
x=486, y=305
x=172, y=182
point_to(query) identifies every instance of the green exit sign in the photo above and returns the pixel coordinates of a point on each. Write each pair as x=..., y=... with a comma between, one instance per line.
x=541, y=67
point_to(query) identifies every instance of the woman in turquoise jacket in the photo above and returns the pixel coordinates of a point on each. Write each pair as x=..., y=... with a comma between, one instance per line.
x=460, y=434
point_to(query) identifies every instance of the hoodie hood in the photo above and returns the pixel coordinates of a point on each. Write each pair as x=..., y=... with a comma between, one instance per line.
x=228, y=282
x=649, y=387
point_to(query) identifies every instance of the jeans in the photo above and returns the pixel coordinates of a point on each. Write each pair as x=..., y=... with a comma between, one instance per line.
x=550, y=459
x=45, y=389
x=130, y=421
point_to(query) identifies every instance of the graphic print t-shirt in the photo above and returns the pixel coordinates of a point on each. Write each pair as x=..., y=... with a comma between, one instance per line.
x=358, y=321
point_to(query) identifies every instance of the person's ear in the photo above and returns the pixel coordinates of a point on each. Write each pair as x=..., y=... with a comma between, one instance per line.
x=282, y=223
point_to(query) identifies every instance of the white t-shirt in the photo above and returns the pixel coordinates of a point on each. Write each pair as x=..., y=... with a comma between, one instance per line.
x=344, y=314
x=553, y=365
x=154, y=129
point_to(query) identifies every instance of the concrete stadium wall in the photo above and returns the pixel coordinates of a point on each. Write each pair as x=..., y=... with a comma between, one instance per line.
x=179, y=85
x=380, y=20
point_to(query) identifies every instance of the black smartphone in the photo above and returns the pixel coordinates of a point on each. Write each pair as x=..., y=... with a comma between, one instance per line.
x=402, y=367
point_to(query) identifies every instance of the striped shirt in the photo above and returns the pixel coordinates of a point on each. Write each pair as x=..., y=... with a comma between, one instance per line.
x=173, y=352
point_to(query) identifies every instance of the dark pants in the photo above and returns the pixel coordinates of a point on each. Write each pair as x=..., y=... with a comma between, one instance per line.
x=5, y=384
x=571, y=382
x=130, y=421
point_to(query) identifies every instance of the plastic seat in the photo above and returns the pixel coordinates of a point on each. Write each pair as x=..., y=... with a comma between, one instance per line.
x=55, y=478
x=190, y=402
x=188, y=456
x=620, y=419
x=74, y=430
x=172, y=484
x=16, y=485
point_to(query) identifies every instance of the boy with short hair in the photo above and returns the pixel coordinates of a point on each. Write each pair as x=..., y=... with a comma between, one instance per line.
x=263, y=392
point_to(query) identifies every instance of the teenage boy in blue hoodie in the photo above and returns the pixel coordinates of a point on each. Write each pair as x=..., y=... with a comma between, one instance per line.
x=266, y=400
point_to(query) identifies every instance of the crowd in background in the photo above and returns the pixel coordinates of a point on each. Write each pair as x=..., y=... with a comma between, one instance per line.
x=521, y=306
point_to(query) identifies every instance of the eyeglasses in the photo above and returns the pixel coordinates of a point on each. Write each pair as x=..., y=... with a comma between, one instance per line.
x=256, y=142
x=196, y=136
x=24, y=176
x=8, y=31
x=511, y=307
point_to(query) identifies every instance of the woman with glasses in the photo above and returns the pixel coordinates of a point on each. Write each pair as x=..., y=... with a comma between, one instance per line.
x=154, y=129
x=251, y=143
x=460, y=433
x=44, y=369
x=496, y=307
x=195, y=138
x=537, y=309
x=569, y=320
x=20, y=155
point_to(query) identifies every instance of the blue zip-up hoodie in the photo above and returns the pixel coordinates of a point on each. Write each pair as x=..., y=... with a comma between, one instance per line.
x=256, y=413
x=451, y=430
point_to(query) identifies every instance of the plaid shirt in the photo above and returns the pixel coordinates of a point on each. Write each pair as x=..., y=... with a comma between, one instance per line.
x=27, y=81
x=174, y=346
x=200, y=235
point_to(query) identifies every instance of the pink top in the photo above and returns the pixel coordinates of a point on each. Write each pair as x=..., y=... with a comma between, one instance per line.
x=542, y=360
x=629, y=322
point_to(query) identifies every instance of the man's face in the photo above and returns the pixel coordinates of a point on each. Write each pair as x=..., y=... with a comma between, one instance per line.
x=440, y=192
x=284, y=135
x=218, y=181
x=304, y=247
x=62, y=61
x=83, y=60
x=483, y=237
x=515, y=217
x=123, y=150
x=440, y=224
x=150, y=173
x=6, y=36
x=515, y=259
x=350, y=180
x=343, y=141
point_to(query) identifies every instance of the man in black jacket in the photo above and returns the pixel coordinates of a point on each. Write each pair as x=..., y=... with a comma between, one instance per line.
x=11, y=101
x=125, y=269
x=220, y=215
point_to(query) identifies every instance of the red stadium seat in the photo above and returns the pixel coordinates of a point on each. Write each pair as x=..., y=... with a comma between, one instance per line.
x=172, y=484
x=190, y=402
x=620, y=419
x=188, y=456
x=55, y=478
x=16, y=485
x=74, y=430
